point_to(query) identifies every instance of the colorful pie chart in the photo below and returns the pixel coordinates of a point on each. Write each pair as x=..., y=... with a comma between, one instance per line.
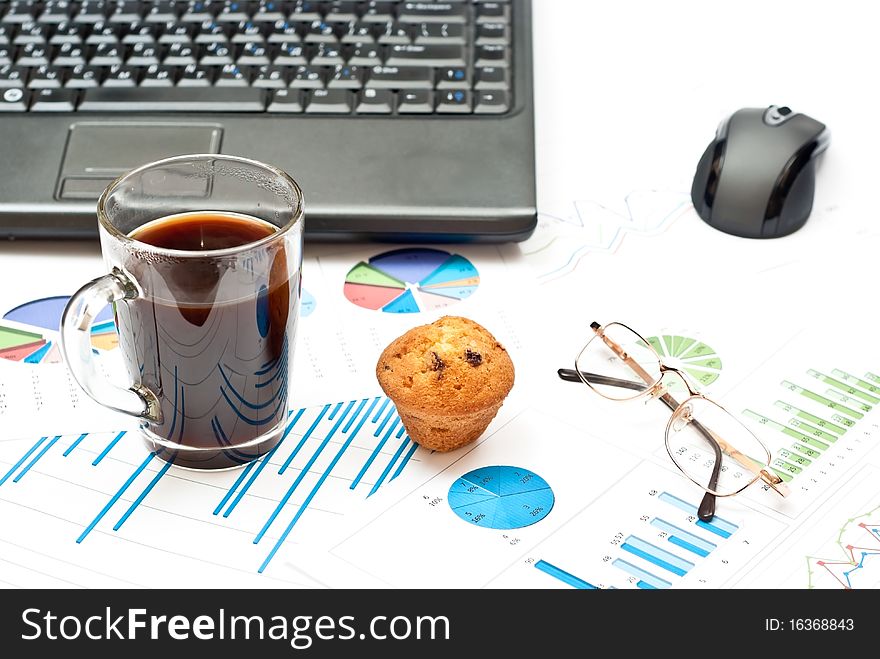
x=411, y=280
x=501, y=497
x=32, y=334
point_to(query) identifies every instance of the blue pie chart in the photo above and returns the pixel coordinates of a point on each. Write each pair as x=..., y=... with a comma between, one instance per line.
x=501, y=497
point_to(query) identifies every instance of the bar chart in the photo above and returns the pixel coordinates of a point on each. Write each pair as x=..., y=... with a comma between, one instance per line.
x=101, y=498
x=645, y=534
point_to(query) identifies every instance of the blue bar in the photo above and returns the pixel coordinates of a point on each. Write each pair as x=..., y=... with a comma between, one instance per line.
x=400, y=432
x=234, y=487
x=357, y=479
x=682, y=538
x=387, y=469
x=143, y=495
x=74, y=445
x=563, y=576
x=381, y=409
x=405, y=460
x=23, y=458
x=36, y=457
x=37, y=357
x=354, y=416
x=302, y=474
x=263, y=462
x=304, y=439
x=334, y=412
x=718, y=525
x=384, y=422
x=99, y=328
x=320, y=482
x=659, y=557
x=115, y=498
x=649, y=579
x=109, y=447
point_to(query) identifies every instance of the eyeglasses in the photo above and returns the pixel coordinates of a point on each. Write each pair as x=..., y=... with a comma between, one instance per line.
x=708, y=444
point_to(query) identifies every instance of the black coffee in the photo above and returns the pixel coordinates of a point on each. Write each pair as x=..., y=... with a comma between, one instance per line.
x=211, y=337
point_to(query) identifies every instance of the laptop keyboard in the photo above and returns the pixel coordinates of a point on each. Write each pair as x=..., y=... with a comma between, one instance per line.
x=359, y=58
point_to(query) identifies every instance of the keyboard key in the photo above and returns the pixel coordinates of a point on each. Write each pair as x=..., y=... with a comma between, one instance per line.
x=426, y=55
x=328, y=55
x=14, y=99
x=158, y=75
x=69, y=54
x=56, y=11
x=305, y=11
x=233, y=75
x=105, y=54
x=253, y=53
x=139, y=32
x=211, y=32
x=400, y=77
x=419, y=101
x=455, y=77
x=217, y=54
x=286, y=100
x=6, y=32
x=33, y=54
x=177, y=33
x=46, y=77
x=83, y=77
x=320, y=32
x=164, y=11
x=491, y=102
x=342, y=11
x=103, y=33
x=492, y=56
x=31, y=33
x=13, y=76
x=491, y=77
x=375, y=101
x=6, y=55
x=358, y=32
x=121, y=75
x=307, y=77
x=378, y=12
x=142, y=54
x=54, y=100
x=283, y=32
x=442, y=12
x=454, y=101
x=493, y=34
x=179, y=54
x=196, y=76
x=345, y=77
x=234, y=11
x=288, y=54
x=330, y=101
x=271, y=77
x=92, y=11
x=493, y=12
x=248, y=31
x=126, y=11
x=269, y=11
x=173, y=99
x=440, y=33
x=21, y=11
x=395, y=33
x=364, y=55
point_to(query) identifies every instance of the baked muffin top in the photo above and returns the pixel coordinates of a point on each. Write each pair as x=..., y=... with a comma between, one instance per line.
x=452, y=366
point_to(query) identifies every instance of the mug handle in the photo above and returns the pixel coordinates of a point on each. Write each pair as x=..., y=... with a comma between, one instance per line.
x=76, y=324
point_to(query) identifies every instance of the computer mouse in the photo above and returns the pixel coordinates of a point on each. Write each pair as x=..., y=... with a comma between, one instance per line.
x=756, y=179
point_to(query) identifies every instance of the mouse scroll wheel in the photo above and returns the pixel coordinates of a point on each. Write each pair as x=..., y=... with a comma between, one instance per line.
x=784, y=110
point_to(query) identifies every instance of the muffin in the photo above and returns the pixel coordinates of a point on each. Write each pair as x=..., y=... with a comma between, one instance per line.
x=447, y=379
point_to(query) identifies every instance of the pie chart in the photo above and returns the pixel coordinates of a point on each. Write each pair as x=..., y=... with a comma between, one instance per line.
x=692, y=356
x=411, y=280
x=501, y=497
x=32, y=334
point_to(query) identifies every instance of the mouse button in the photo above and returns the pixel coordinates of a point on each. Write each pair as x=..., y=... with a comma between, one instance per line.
x=706, y=179
x=776, y=115
x=798, y=203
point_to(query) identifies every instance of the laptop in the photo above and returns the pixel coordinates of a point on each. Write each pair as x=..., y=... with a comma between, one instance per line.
x=401, y=121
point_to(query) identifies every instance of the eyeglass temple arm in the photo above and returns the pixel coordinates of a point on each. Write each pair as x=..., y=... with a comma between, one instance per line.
x=706, y=510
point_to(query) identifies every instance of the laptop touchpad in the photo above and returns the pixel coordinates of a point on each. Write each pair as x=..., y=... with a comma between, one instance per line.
x=97, y=153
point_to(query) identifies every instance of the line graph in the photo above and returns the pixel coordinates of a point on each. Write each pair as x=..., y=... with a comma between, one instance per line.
x=855, y=564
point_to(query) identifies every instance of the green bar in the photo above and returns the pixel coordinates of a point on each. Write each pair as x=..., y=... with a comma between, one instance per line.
x=822, y=423
x=684, y=344
x=873, y=378
x=844, y=387
x=698, y=350
x=813, y=453
x=710, y=362
x=795, y=458
x=847, y=400
x=849, y=423
x=786, y=467
x=791, y=386
x=852, y=379
x=763, y=420
x=807, y=429
x=801, y=437
x=667, y=341
x=784, y=476
x=655, y=343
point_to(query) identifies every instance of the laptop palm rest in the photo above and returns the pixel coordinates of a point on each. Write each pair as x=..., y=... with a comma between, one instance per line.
x=98, y=152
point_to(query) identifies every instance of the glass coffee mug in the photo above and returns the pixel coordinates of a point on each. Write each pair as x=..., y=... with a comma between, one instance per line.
x=204, y=254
